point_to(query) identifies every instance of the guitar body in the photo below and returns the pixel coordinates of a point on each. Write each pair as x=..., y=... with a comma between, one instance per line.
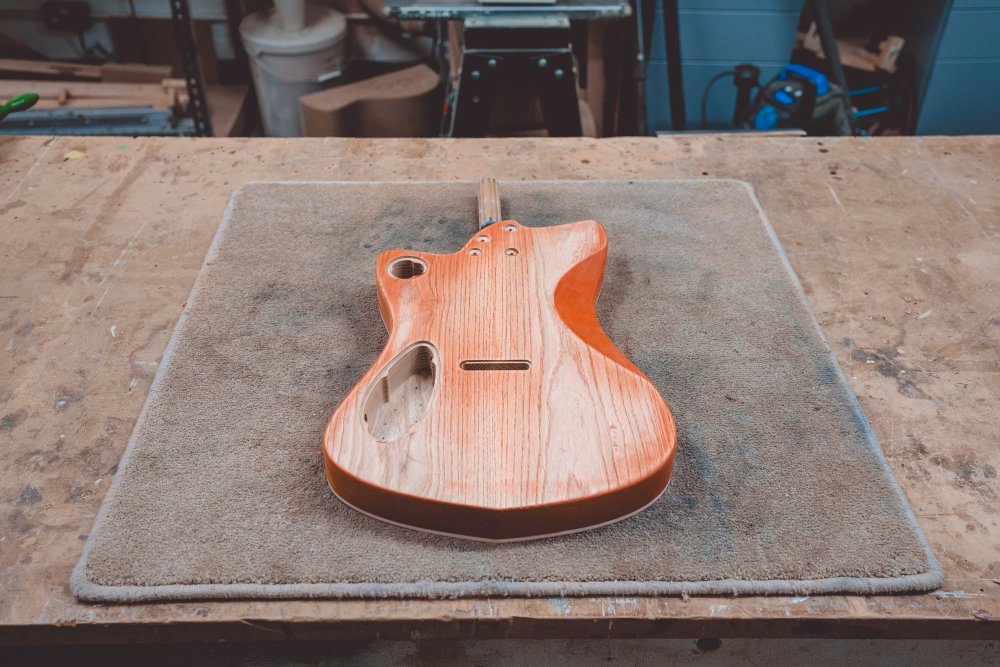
x=499, y=409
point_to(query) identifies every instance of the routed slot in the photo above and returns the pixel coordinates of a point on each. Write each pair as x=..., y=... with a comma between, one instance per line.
x=398, y=399
x=495, y=365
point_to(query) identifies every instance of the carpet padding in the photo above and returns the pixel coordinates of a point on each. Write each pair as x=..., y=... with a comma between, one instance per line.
x=779, y=484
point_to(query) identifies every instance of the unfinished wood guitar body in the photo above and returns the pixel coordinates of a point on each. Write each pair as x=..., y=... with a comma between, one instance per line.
x=499, y=409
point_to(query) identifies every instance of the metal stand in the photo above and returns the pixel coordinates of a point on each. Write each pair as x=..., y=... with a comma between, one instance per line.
x=533, y=53
x=527, y=45
x=180, y=12
x=821, y=14
x=675, y=83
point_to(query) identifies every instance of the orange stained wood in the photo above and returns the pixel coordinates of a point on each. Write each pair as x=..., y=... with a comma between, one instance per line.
x=499, y=409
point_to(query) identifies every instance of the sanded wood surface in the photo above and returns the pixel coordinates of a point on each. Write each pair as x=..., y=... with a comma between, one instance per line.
x=896, y=241
x=499, y=409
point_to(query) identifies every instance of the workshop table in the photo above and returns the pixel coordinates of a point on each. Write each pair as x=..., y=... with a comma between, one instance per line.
x=896, y=241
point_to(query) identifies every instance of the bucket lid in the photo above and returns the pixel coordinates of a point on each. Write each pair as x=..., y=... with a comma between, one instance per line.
x=262, y=32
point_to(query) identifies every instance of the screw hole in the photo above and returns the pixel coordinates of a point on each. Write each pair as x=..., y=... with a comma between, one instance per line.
x=483, y=238
x=475, y=251
x=510, y=251
x=509, y=228
x=405, y=268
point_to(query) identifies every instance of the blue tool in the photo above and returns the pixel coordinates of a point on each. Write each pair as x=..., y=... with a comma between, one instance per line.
x=789, y=100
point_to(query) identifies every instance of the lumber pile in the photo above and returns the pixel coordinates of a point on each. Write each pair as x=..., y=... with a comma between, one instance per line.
x=854, y=52
x=109, y=72
x=168, y=94
x=66, y=85
x=76, y=85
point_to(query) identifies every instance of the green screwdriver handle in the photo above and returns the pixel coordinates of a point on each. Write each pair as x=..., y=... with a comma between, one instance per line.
x=18, y=103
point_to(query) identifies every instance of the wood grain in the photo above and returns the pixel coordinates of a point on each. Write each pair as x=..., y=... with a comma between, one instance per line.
x=489, y=202
x=499, y=409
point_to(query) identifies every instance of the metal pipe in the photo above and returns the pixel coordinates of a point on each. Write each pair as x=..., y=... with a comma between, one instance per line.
x=675, y=83
x=821, y=14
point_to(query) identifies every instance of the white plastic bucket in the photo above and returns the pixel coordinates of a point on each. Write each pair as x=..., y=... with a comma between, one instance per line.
x=287, y=65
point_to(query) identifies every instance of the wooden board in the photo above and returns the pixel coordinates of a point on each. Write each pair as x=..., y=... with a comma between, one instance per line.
x=84, y=89
x=499, y=409
x=109, y=72
x=896, y=241
x=228, y=106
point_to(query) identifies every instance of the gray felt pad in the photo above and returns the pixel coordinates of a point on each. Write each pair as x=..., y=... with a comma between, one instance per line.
x=779, y=484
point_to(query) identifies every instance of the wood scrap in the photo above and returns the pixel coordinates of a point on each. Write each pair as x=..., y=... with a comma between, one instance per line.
x=109, y=72
x=400, y=104
x=135, y=73
x=228, y=105
x=52, y=68
x=853, y=51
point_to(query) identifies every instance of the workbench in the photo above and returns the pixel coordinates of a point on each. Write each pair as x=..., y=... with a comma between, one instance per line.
x=896, y=242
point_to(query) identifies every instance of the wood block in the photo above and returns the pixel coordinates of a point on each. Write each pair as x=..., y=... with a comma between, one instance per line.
x=50, y=67
x=227, y=104
x=401, y=104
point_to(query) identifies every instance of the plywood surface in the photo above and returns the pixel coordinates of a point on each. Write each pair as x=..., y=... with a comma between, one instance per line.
x=897, y=242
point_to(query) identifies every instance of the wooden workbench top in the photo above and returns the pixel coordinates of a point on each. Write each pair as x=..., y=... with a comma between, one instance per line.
x=896, y=241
